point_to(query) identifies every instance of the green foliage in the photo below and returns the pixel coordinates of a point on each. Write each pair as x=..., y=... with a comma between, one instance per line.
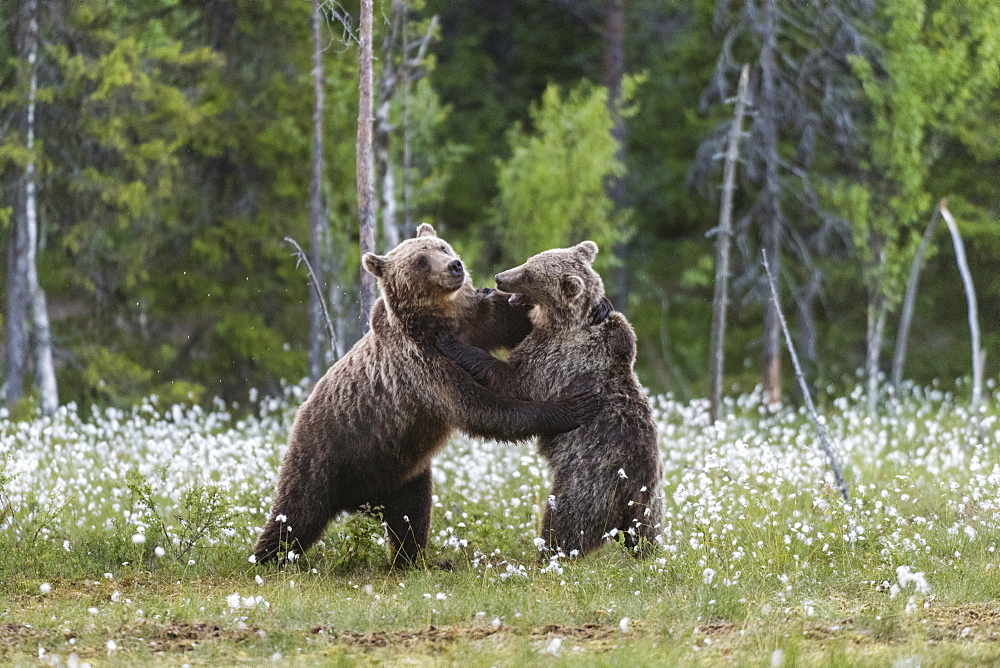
x=173, y=150
x=552, y=187
x=933, y=67
x=205, y=513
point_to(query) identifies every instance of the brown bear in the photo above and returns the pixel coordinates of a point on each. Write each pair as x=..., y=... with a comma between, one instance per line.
x=365, y=436
x=606, y=474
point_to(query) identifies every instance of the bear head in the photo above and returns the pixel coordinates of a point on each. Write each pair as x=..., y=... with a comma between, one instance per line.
x=560, y=284
x=422, y=275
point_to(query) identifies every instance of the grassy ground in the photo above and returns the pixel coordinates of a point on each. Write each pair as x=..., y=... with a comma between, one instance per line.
x=125, y=536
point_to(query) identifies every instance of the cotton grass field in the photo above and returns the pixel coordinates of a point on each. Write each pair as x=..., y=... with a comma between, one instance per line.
x=126, y=535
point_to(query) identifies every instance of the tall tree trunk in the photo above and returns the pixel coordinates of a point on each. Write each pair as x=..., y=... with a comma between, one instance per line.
x=365, y=176
x=614, y=72
x=316, y=348
x=24, y=291
x=978, y=354
x=384, y=170
x=878, y=311
x=909, y=300
x=18, y=300
x=720, y=302
x=771, y=210
x=404, y=73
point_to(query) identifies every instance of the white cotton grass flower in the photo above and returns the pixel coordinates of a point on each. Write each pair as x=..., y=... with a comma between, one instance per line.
x=624, y=624
x=45, y=588
x=237, y=602
x=906, y=577
x=553, y=647
x=159, y=551
x=138, y=538
x=112, y=646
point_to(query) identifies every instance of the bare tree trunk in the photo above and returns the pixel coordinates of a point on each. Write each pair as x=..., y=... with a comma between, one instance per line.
x=909, y=301
x=978, y=354
x=772, y=217
x=720, y=302
x=24, y=291
x=806, y=394
x=316, y=347
x=366, y=185
x=405, y=75
x=44, y=367
x=614, y=72
x=384, y=169
x=878, y=310
x=18, y=299
x=337, y=296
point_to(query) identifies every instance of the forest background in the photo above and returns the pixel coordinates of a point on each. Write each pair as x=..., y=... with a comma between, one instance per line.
x=168, y=150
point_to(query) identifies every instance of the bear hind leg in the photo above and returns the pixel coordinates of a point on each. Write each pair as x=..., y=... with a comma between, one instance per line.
x=407, y=516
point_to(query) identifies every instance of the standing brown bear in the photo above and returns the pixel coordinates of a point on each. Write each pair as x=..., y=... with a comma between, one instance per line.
x=606, y=474
x=366, y=434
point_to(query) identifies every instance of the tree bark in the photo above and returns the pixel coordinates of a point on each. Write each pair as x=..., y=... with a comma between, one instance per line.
x=720, y=302
x=771, y=210
x=878, y=311
x=614, y=72
x=18, y=299
x=316, y=348
x=978, y=354
x=384, y=169
x=24, y=291
x=909, y=301
x=405, y=75
x=365, y=176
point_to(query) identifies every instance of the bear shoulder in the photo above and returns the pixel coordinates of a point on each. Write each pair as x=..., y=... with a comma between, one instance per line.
x=618, y=338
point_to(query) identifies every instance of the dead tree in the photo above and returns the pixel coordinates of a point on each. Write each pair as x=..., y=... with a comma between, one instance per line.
x=909, y=301
x=365, y=175
x=720, y=302
x=316, y=305
x=804, y=386
x=978, y=354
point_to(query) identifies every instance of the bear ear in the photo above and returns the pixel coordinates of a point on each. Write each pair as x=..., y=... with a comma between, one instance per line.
x=374, y=264
x=425, y=230
x=587, y=250
x=572, y=286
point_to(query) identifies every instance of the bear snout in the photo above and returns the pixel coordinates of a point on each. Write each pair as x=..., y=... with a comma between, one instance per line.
x=455, y=268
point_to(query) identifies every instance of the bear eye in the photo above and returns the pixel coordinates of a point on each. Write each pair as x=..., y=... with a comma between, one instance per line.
x=526, y=276
x=422, y=262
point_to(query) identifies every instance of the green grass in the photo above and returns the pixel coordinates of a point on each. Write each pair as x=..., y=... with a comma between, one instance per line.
x=761, y=563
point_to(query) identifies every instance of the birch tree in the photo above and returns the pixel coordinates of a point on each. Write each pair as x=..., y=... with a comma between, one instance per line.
x=365, y=176
x=927, y=69
x=25, y=294
x=316, y=217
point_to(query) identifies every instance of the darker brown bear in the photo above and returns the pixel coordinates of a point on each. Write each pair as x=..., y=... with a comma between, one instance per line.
x=366, y=434
x=605, y=475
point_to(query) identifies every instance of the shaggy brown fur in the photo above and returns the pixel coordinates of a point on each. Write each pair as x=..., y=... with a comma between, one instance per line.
x=605, y=475
x=366, y=434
